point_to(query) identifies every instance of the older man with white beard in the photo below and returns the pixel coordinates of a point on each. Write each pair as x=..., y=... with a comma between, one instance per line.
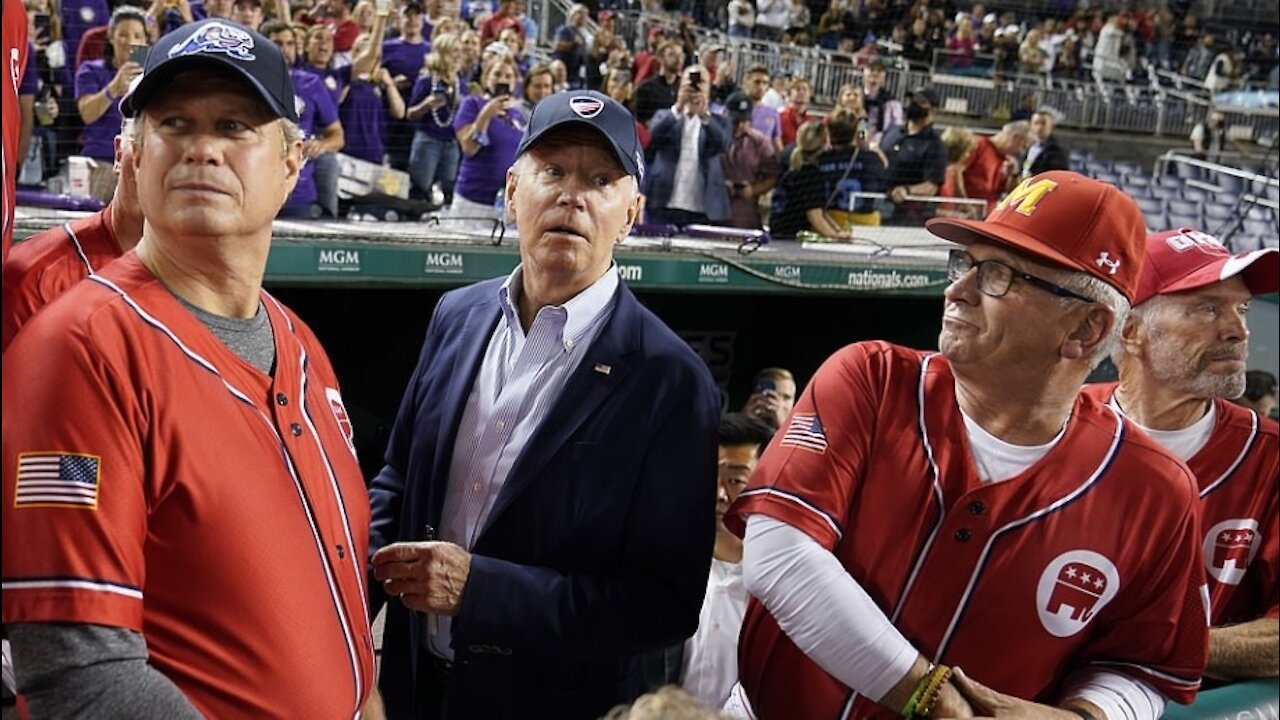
x=1181, y=358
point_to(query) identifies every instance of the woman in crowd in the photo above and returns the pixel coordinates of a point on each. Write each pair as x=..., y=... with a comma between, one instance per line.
x=489, y=126
x=371, y=95
x=469, y=67
x=800, y=199
x=537, y=85
x=433, y=104
x=99, y=87
x=962, y=47
x=850, y=99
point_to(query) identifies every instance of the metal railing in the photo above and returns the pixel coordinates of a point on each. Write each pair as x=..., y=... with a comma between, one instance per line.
x=1253, y=187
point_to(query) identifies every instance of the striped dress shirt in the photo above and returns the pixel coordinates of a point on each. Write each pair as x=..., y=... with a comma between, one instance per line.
x=521, y=376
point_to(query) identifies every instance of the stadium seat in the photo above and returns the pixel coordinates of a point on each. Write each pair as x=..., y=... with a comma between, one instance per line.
x=1137, y=181
x=1219, y=212
x=1242, y=243
x=1156, y=221
x=1160, y=191
x=1261, y=228
x=1169, y=181
x=1184, y=207
x=1224, y=198
x=1271, y=241
x=1099, y=166
x=1106, y=177
x=1128, y=167
x=1150, y=205
x=1228, y=183
x=1180, y=221
x=1187, y=172
x=1195, y=193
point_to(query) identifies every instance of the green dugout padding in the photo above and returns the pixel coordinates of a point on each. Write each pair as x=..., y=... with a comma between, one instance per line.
x=1253, y=700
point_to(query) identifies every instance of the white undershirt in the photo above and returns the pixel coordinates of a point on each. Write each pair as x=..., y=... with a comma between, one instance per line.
x=711, y=655
x=687, y=189
x=998, y=460
x=1184, y=443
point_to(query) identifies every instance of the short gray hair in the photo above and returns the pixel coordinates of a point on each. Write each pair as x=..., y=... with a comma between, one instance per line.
x=1102, y=293
x=1017, y=129
x=1145, y=311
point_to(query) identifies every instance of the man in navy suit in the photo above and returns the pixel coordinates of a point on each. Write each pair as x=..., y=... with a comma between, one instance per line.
x=546, y=510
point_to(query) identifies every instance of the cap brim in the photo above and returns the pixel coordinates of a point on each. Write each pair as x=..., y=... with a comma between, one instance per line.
x=1259, y=269
x=627, y=163
x=160, y=76
x=968, y=232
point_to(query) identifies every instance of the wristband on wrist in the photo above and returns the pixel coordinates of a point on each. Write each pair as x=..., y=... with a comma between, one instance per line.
x=937, y=677
x=909, y=710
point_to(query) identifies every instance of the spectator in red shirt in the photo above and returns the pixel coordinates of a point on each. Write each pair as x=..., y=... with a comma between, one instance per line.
x=992, y=168
x=796, y=111
x=343, y=23
x=507, y=16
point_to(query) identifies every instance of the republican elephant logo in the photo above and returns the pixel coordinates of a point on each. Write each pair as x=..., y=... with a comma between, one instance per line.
x=1072, y=589
x=1229, y=547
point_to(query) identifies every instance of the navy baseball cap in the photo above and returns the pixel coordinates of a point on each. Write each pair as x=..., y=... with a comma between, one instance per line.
x=221, y=44
x=596, y=111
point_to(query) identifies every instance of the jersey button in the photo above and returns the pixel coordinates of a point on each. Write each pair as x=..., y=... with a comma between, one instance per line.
x=282, y=399
x=977, y=507
x=296, y=429
x=963, y=535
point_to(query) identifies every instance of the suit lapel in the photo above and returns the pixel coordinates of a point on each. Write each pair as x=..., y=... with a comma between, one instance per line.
x=602, y=369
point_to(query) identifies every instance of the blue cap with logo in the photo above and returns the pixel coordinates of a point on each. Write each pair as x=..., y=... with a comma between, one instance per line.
x=596, y=111
x=219, y=44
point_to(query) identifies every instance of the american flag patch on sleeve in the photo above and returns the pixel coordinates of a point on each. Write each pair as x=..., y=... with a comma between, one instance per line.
x=805, y=432
x=57, y=480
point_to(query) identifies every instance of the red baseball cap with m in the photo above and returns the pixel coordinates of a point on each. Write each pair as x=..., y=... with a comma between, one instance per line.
x=1065, y=219
x=1186, y=259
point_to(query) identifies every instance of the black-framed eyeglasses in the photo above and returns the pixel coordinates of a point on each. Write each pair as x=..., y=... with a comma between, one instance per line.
x=995, y=277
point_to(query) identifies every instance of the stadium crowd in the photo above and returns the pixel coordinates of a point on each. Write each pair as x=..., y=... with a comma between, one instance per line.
x=441, y=91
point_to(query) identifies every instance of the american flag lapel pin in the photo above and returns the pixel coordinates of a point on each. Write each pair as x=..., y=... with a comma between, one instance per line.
x=603, y=369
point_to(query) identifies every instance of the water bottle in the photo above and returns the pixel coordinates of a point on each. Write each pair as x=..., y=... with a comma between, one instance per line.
x=500, y=205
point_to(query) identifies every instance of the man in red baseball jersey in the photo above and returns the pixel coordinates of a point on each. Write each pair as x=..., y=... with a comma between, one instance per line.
x=13, y=42
x=184, y=519
x=47, y=264
x=955, y=533
x=1181, y=358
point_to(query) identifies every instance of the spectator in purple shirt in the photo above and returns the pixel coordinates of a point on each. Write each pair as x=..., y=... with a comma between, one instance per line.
x=318, y=118
x=764, y=119
x=404, y=56
x=371, y=96
x=99, y=85
x=432, y=106
x=489, y=128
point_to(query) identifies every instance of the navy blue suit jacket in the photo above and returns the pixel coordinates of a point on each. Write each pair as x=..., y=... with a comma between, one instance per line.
x=599, y=544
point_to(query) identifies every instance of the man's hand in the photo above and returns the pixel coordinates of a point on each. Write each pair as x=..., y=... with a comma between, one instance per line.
x=427, y=576
x=766, y=406
x=986, y=702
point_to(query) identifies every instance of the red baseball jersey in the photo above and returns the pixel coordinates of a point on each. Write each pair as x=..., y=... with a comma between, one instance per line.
x=1090, y=558
x=47, y=264
x=1237, y=472
x=13, y=40
x=155, y=481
